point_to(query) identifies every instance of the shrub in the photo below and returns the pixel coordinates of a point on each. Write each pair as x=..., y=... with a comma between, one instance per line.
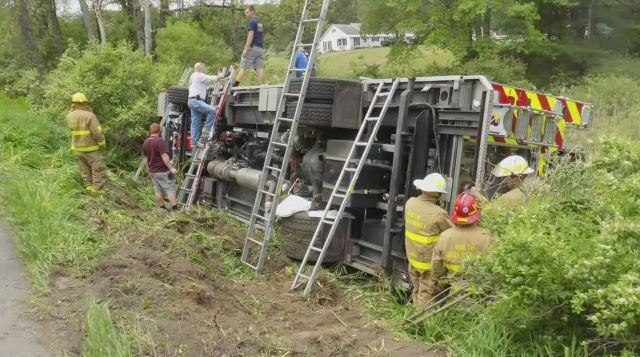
x=185, y=43
x=120, y=85
x=566, y=264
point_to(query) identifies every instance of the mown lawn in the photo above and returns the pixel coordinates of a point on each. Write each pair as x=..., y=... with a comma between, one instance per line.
x=347, y=64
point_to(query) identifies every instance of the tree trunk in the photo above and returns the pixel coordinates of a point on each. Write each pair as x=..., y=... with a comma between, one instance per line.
x=88, y=20
x=588, y=30
x=147, y=27
x=97, y=6
x=164, y=11
x=138, y=22
x=54, y=26
x=26, y=33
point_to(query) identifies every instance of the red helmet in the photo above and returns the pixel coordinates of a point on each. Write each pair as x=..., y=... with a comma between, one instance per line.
x=466, y=209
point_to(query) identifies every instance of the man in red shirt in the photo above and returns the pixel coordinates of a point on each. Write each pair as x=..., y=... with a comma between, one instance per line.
x=158, y=165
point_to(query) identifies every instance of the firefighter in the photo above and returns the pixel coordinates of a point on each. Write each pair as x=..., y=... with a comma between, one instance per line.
x=515, y=169
x=424, y=220
x=462, y=241
x=87, y=142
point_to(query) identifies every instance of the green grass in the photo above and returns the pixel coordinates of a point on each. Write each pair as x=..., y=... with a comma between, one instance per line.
x=102, y=336
x=352, y=64
x=40, y=193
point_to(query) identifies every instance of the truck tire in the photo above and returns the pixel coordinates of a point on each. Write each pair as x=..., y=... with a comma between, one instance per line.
x=319, y=89
x=296, y=233
x=313, y=114
x=178, y=95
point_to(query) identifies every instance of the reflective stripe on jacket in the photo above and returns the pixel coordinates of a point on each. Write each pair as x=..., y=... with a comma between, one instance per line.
x=86, y=132
x=424, y=220
x=456, y=245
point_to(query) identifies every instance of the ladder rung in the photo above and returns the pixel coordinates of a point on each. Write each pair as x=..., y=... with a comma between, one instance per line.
x=261, y=217
x=339, y=195
x=292, y=94
x=361, y=143
x=311, y=20
x=304, y=45
x=273, y=168
x=297, y=69
x=315, y=248
x=328, y=221
x=373, y=119
x=268, y=193
x=285, y=119
x=303, y=276
x=256, y=241
x=350, y=169
x=384, y=94
x=279, y=143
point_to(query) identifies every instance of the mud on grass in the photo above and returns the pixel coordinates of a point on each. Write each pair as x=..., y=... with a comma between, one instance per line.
x=178, y=287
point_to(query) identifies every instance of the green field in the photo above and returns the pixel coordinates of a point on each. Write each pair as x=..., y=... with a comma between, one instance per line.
x=347, y=64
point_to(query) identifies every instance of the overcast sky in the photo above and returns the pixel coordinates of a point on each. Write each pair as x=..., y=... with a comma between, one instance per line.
x=67, y=7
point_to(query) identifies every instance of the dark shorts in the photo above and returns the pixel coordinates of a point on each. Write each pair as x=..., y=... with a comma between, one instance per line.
x=254, y=59
x=163, y=182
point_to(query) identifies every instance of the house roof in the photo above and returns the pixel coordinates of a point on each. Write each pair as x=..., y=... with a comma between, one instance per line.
x=349, y=29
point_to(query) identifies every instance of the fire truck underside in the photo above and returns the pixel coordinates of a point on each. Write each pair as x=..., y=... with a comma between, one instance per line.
x=458, y=126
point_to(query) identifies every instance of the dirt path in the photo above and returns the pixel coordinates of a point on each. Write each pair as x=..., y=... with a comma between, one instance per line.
x=18, y=333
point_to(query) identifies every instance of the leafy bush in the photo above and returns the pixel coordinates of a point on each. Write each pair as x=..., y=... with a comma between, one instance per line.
x=567, y=263
x=120, y=85
x=185, y=43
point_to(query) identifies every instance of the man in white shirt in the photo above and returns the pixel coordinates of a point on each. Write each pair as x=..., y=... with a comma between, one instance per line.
x=198, y=84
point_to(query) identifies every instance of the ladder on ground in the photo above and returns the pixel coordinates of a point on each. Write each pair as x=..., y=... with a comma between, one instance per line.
x=256, y=245
x=356, y=160
x=189, y=189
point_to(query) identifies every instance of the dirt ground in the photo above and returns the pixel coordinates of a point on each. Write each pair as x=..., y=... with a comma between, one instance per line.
x=182, y=308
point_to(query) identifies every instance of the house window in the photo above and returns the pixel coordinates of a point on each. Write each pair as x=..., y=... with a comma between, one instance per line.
x=342, y=42
x=375, y=39
x=356, y=41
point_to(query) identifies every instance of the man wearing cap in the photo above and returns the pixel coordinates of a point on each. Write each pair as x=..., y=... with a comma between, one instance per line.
x=514, y=169
x=424, y=220
x=197, y=102
x=456, y=244
x=87, y=142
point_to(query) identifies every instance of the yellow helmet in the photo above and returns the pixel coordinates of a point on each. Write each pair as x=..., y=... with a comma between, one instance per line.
x=79, y=98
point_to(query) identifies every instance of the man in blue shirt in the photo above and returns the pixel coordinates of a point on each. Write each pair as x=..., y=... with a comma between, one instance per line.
x=253, y=52
x=301, y=62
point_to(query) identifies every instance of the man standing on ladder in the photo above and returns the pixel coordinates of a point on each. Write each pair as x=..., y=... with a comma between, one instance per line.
x=424, y=220
x=198, y=84
x=253, y=52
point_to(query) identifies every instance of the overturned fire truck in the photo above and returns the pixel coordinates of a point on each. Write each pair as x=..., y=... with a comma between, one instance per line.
x=454, y=125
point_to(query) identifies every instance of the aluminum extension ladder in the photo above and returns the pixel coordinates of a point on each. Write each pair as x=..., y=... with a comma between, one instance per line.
x=260, y=242
x=189, y=189
x=353, y=164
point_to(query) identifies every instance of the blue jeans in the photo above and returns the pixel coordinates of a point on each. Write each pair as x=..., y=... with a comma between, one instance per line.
x=199, y=108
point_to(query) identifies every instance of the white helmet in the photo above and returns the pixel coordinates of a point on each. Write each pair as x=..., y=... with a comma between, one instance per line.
x=512, y=165
x=432, y=183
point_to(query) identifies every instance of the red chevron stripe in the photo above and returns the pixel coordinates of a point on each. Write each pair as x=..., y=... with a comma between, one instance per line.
x=544, y=102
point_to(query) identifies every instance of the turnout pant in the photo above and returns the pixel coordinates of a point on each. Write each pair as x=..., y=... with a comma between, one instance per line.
x=92, y=169
x=422, y=286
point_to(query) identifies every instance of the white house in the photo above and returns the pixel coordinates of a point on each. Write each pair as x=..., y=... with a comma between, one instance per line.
x=341, y=37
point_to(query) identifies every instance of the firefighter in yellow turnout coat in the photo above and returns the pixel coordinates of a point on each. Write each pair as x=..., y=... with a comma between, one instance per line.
x=462, y=241
x=424, y=220
x=87, y=141
x=514, y=169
